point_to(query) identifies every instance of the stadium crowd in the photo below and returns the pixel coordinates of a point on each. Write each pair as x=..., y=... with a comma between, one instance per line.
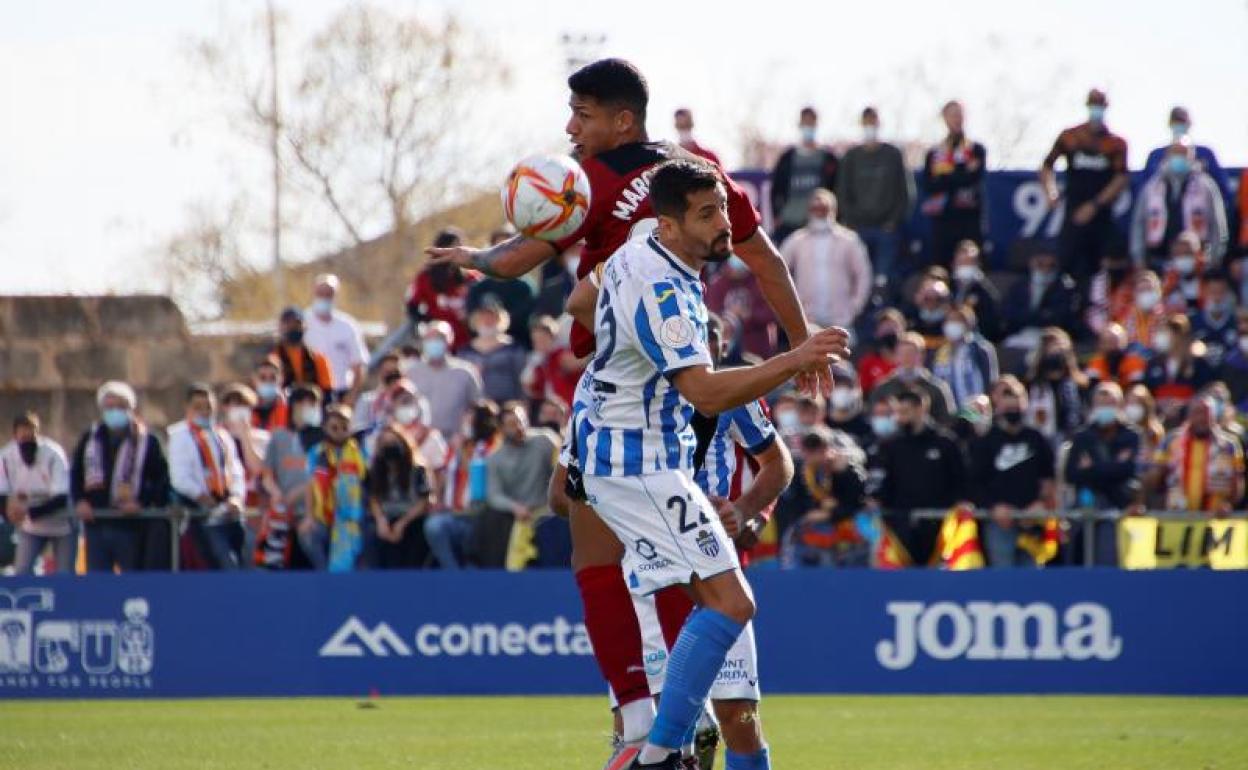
x=1109, y=373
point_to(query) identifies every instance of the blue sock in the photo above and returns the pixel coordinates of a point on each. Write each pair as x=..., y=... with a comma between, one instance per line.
x=696, y=658
x=759, y=761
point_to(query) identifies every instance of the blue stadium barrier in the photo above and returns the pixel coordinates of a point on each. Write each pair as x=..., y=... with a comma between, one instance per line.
x=251, y=634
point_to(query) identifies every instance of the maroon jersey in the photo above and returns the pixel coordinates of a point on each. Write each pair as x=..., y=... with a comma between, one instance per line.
x=619, y=183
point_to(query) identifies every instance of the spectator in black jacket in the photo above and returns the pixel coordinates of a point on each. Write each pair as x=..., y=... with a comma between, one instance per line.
x=119, y=464
x=1047, y=298
x=1012, y=471
x=1103, y=456
x=833, y=476
x=971, y=287
x=953, y=189
x=921, y=466
x=801, y=170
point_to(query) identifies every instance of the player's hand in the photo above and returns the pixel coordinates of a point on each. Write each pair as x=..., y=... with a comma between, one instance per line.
x=729, y=515
x=749, y=534
x=818, y=352
x=460, y=256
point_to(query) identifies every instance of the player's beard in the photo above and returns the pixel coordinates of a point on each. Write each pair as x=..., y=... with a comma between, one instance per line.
x=720, y=249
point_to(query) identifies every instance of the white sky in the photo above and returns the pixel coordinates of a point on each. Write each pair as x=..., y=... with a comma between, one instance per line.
x=103, y=143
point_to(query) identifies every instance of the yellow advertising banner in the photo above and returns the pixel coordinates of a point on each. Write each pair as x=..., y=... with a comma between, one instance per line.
x=1148, y=543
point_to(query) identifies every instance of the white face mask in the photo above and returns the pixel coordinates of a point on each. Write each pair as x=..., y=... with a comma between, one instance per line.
x=954, y=331
x=870, y=133
x=238, y=414
x=844, y=398
x=1243, y=344
x=1147, y=300
x=406, y=415
x=966, y=273
x=1162, y=342
x=1134, y=412
x=311, y=417
x=788, y=420
x=686, y=137
x=1185, y=265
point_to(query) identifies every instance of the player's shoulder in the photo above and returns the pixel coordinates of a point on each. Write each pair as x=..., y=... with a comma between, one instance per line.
x=640, y=260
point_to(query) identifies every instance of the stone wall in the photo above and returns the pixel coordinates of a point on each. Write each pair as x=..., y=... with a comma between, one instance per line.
x=55, y=351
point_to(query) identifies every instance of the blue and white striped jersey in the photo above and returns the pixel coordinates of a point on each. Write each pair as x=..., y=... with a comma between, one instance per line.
x=650, y=322
x=746, y=427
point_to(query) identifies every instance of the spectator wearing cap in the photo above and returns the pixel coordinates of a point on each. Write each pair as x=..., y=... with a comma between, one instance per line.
x=966, y=361
x=334, y=532
x=337, y=336
x=683, y=123
x=208, y=475
x=1178, y=197
x=448, y=383
x=1199, y=467
x=517, y=297
x=119, y=464
x=1096, y=173
x=799, y=171
x=495, y=354
x=875, y=191
x=272, y=409
x=552, y=368
x=829, y=264
x=953, y=188
x=1180, y=126
x=971, y=287
x=440, y=292
x=300, y=364
x=34, y=496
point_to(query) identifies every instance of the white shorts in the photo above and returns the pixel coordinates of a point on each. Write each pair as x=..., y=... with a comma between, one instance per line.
x=669, y=529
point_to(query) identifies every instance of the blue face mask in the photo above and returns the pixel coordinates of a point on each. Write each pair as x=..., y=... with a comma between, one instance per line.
x=116, y=419
x=1179, y=130
x=203, y=422
x=736, y=263
x=1178, y=165
x=1104, y=415
x=808, y=133
x=434, y=348
x=267, y=391
x=883, y=425
x=1096, y=113
x=322, y=306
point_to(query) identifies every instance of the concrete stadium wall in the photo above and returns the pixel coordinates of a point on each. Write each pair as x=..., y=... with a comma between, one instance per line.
x=56, y=350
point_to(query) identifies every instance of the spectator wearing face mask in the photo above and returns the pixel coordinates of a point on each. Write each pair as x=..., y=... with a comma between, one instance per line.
x=876, y=190
x=1047, y=298
x=337, y=336
x=1180, y=126
x=1199, y=467
x=407, y=413
x=440, y=292
x=1096, y=174
x=1113, y=361
x=1111, y=295
x=1177, y=368
x=1148, y=313
x=733, y=294
x=237, y=403
x=883, y=425
x=34, y=496
x=450, y=384
x=449, y=528
x=881, y=357
x=1012, y=472
x=552, y=369
x=1215, y=323
x=1104, y=457
x=208, y=476
x=972, y=288
x=398, y=498
x=1055, y=386
x=373, y=406
x=788, y=422
x=285, y=479
x=683, y=120
x=829, y=264
x=800, y=170
x=119, y=464
x=846, y=413
x=921, y=466
x=1180, y=283
x=1177, y=198
x=495, y=354
x=272, y=409
x=911, y=374
x=930, y=306
x=1234, y=368
x=966, y=362
x=953, y=189
x=300, y=364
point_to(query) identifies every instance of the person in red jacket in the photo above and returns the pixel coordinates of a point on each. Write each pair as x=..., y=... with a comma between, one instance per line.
x=439, y=292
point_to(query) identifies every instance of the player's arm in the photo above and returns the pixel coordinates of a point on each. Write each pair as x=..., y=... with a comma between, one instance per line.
x=1048, y=177
x=511, y=258
x=712, y=392
x=584, y=297
x=775, y=471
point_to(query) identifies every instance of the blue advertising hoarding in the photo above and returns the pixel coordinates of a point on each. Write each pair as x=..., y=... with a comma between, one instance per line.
x=853, y=631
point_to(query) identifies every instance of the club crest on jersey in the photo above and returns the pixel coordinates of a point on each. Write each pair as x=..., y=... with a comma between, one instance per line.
x=708, y=543
x=676, y=332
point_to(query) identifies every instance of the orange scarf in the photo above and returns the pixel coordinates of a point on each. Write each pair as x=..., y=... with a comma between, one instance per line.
x=212, y=469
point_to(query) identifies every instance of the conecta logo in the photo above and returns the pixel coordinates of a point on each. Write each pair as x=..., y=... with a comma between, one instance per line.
x=355, y=639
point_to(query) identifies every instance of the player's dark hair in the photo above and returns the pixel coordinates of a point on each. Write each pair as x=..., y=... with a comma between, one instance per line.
x=615, y=82
x=674, y=180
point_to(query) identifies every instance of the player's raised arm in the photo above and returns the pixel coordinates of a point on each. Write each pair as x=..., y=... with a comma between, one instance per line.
x=511, y=258
x=584, y=296
x=712, y=392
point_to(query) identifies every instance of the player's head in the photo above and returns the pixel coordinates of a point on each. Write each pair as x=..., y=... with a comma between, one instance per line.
x=608, y=103
x=692, y=206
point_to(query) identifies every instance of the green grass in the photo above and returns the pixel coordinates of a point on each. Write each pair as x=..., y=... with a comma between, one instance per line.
x=806, y=733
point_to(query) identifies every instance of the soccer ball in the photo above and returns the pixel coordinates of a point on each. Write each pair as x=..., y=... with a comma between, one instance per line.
x=546, y=196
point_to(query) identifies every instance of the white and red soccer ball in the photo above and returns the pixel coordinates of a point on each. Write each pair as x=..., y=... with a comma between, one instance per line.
x=546, y=196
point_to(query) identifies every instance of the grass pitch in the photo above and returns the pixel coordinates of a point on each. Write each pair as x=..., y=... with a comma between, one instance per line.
x=806, y=733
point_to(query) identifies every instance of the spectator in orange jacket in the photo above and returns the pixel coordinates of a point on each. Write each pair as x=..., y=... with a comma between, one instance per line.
x=300, y=364
x=1113, y=362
